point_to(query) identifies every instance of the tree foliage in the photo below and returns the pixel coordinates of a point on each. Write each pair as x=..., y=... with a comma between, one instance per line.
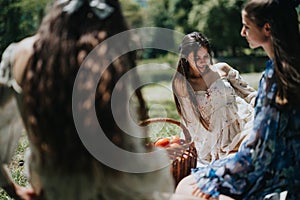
x=133, y=13
x=159, y=15
x=219, y=20
x=180, y=12
x=19, y=19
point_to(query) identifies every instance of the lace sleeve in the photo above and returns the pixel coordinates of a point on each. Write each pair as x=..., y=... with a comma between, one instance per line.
x=11, y=128
x=6, y=68
x=241, y=87
x=10, y=123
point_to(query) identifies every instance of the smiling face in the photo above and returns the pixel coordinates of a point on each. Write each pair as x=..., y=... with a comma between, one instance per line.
x=199, y=62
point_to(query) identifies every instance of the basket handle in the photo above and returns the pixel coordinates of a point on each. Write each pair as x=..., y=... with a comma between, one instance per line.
x=186, y=132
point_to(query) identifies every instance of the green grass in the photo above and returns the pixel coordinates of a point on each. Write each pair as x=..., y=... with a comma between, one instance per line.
x=17, y=164
x=16, y=168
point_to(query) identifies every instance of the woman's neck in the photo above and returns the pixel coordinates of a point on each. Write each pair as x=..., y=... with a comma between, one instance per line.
x=268, y=48
x=198, y=84
x=203, y=82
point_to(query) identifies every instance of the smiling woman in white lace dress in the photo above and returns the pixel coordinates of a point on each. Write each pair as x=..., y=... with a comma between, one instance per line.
x=213, y=100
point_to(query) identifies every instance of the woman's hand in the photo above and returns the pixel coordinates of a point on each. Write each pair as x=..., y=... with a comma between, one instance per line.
x=25, y=193
x=198, y=193
x=13, y=189
x=188, y=186
x=20, y=193
x=222, y=68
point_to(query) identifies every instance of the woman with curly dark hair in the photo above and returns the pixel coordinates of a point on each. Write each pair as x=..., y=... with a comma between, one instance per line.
x=45, y=71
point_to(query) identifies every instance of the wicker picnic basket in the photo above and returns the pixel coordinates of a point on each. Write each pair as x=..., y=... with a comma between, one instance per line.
x=184, y=156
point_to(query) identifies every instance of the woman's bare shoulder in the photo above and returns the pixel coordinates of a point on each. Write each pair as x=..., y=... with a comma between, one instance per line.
x=23, y=52
x=25, y=46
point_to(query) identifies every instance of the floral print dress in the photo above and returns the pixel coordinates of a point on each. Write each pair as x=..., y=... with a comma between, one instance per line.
x=269, y=161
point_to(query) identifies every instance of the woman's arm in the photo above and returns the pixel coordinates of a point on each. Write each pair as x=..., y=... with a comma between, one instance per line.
x=241, y=87
x=11, y=125
x=8, y=136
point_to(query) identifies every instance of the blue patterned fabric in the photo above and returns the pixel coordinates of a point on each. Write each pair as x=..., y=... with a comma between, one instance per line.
x=268, y=161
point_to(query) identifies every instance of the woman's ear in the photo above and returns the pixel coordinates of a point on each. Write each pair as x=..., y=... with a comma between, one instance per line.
x=267, y=29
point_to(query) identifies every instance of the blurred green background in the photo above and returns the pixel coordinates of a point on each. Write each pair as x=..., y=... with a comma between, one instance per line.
x=219, y=20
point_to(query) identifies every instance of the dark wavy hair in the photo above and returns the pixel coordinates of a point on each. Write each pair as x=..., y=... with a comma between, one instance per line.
x=64, y=42
x=283, y=19
x=191, y=43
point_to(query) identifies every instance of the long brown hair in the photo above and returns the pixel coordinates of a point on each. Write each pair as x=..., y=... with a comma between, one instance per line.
x=283, y=19
x=191, y=43
x=64, y=42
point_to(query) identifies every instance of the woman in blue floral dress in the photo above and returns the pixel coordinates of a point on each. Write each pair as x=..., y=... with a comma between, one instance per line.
x=269, y=161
